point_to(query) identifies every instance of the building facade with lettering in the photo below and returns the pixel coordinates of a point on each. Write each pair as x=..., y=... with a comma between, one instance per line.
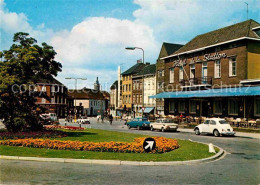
x=216, y=74
x=166, y=49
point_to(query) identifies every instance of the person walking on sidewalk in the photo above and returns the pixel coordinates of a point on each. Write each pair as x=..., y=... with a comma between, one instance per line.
x=110, y=119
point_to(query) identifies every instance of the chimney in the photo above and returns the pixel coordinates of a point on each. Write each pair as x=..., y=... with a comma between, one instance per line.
x=139, y=61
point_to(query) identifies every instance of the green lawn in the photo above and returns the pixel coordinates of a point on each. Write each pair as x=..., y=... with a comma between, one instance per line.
x=188, y=150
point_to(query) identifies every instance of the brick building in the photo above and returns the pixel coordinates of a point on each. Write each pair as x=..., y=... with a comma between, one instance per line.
x=215, y=74
x=57, y=97
x=166, y=50
x=149, y=89
x=127, y=86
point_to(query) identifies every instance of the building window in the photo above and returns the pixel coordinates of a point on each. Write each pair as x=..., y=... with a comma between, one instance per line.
x=217, y=69
x=181, y=106
x=172, y=107
x=192, y=71
x=217, y=108
x=43, y=100
x=171, y=75
x=232, y=107
x=43, y=88
x=53, y=89
x=181, y=74
x=232, y=66
x=257, y=106
x=192, y=106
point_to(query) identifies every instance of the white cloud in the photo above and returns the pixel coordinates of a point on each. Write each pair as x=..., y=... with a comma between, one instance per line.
x=100, y=41
x=180, y=21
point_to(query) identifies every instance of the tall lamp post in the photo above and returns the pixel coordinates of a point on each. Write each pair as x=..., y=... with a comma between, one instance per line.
x=133, y=48
x=76, y=80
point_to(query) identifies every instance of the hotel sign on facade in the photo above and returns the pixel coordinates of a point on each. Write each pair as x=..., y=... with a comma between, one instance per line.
x=206, y=58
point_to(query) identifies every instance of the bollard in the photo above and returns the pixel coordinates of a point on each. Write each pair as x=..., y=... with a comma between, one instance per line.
x=211, y=148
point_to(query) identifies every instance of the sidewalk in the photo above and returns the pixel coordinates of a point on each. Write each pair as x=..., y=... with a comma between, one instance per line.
x=238, y=134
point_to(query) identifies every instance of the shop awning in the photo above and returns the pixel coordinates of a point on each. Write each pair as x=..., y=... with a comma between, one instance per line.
x=224, y=92
x=146, y=110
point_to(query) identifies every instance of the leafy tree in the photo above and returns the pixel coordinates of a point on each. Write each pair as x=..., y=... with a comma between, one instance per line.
x=22, y=66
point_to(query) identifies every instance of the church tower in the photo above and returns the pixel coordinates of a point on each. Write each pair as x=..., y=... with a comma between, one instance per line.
x=97, y=85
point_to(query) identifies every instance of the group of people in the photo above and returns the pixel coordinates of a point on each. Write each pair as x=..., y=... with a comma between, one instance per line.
x=110, y=118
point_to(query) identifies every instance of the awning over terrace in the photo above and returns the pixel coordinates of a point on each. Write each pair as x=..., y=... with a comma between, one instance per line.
x=224, y=92
x=147, y=110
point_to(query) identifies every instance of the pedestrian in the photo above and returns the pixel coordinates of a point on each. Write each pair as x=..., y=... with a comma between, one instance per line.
x=110, y=119
x=102, y=118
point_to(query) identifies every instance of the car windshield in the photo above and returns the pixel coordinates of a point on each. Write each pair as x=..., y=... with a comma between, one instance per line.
x=223, y=122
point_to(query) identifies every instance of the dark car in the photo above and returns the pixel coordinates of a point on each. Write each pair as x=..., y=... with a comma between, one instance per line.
x=138, y=123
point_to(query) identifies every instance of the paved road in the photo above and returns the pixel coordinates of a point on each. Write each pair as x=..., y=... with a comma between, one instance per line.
x=240, y=166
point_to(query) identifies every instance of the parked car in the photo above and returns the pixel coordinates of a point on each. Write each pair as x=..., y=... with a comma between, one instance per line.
x=164, y=124
x=83, y=120
x=138, y=123
x=215, y=126
x=45, y=119
x=52, y=116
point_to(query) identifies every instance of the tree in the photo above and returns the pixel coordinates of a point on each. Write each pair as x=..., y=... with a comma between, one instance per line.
x=22, y=66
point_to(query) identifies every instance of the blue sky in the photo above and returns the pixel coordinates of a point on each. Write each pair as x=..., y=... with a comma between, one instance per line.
x=90, y=35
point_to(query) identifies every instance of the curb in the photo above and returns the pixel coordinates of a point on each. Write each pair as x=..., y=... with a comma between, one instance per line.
x=117, y=162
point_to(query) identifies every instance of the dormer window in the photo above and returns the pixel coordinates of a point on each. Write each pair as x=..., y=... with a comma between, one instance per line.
x=257, y=30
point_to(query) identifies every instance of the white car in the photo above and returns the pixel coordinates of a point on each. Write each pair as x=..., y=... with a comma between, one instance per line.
x=215, y=126
x=164, y=124
x=83, y=120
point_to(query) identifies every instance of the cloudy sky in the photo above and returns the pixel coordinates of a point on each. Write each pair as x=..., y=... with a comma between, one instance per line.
x=89, y=36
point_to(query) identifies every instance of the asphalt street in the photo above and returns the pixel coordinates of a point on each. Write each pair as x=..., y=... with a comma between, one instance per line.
x=240, y=166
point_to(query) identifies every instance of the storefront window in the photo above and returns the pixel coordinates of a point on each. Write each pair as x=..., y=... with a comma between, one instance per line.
x=232, y=107
x=217, y=107
x=172, y=107
x=257, y=106
x=192, y=106
x=181, y=106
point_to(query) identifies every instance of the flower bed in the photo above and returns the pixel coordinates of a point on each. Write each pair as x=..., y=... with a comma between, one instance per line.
x=51, y=127
x=162, y=145
x=38, y=134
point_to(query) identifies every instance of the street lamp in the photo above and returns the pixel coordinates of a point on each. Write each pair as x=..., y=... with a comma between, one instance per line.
x=76, y=79
x=133, y=48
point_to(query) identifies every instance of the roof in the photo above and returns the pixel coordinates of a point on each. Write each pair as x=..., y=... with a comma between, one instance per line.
x=239, y=30
x=51, y=80
x=224, y=92
x=149, y=69
x=171, y=48
x=134, y=69
x=86, y=93
x=115, y=85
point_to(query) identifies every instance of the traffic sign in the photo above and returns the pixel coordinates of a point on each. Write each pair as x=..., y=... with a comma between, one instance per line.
x=149, y=144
